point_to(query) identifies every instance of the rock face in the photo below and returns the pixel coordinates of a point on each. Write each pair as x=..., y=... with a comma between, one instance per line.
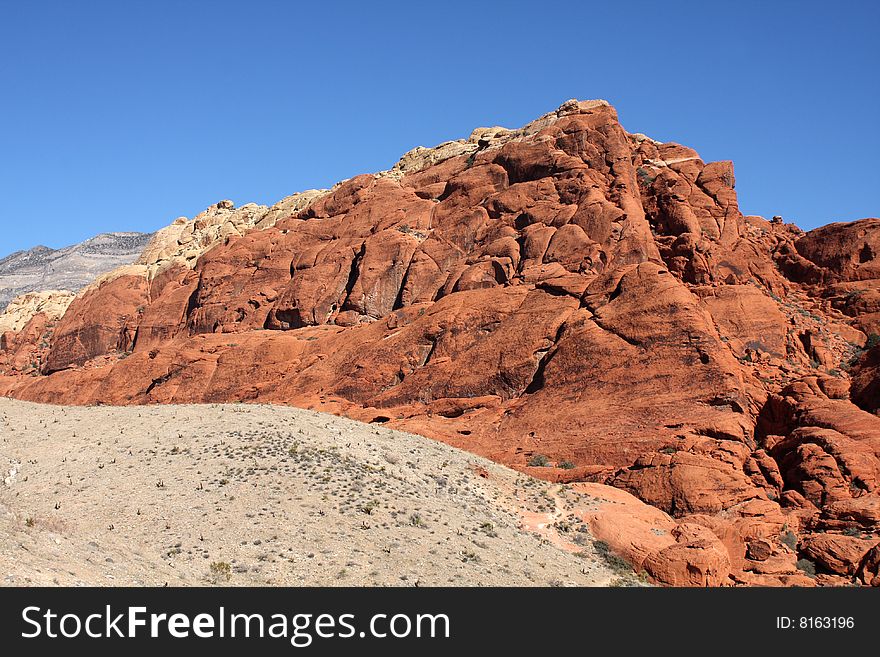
x=71, y=268
x=185, y=240
x=53, y=303
x=26, y=328
x=569, y=299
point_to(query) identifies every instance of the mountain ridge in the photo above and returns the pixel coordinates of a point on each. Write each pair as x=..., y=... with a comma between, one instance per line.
x=70, y=268
x=574, y=301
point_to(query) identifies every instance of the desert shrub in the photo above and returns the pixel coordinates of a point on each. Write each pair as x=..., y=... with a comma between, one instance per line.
x=369, y=507
x=789, y=538
x=488, y=529
x=807, y=567
x=857, y=354
x=618, y=565
x=538, y=461
x=221, y=570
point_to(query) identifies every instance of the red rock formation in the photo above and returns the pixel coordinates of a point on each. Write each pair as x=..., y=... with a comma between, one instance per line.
x=24, y=351
x=102, y=321
x=570, y=291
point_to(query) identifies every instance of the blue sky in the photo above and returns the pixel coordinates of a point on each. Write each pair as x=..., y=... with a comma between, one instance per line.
x=125, y=115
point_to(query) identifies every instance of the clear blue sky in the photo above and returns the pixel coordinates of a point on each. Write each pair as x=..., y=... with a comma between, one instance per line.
x=125, y=115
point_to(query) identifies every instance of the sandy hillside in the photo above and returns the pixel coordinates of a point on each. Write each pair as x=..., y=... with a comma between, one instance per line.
x=255, y=495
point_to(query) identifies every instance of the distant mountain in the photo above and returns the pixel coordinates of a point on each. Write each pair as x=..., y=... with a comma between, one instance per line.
x=70, y=268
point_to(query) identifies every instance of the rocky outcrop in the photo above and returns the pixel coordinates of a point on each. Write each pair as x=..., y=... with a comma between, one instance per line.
x=19, y=311
x=844, y=252
x=581, y=303
x=677, y=554
x=865, y=385
x=27, y=327
x=839, y=263
x=181, y=243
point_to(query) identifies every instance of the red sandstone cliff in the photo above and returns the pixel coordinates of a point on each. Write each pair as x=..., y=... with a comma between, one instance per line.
x=568, y=290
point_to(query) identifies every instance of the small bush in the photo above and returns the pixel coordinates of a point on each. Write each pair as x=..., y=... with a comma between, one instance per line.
x=369, y=507
x=789, y=538
x=873, y=341
x=617, y=565
x=566, y=465
x=854, y=359
x=538, y=461
x=807, y=567
x=221, y=570
x=469, y=557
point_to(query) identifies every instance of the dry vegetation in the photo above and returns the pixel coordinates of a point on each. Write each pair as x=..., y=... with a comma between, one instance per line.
x=257, y=495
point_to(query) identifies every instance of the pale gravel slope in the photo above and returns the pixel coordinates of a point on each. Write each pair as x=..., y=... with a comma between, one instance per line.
x=149, y=495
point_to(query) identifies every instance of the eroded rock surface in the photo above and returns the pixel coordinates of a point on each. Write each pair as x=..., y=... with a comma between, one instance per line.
x=569, y=299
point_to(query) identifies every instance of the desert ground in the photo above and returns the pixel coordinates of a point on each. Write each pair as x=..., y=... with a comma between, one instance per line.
x=267, y=495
